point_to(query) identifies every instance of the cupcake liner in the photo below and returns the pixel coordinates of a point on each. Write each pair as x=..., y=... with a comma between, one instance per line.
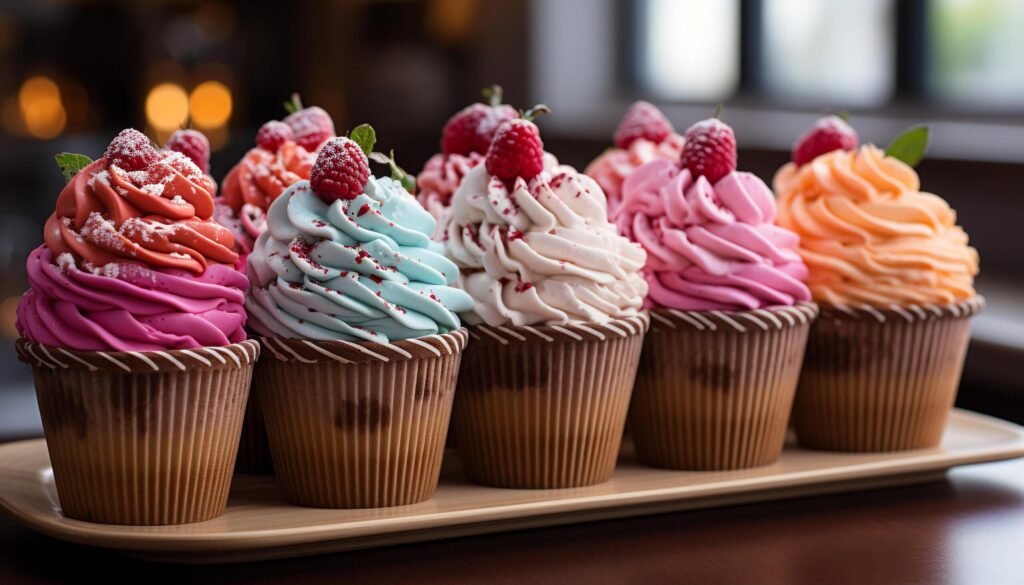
x=253, y=446
x=714, y=389
x=142, y=438
x=882, y=379
x=544, y=407
x=358, y=425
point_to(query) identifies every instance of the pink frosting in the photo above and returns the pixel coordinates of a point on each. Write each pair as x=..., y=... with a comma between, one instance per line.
x=437, y=182
x=614, y=165
x=710, y=247
x=129, y=307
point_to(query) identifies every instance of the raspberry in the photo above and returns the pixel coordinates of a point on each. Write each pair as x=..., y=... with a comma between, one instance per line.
x=642, y=120
x=516, y=151
x=340, y=172
x=709, y=150
x=192, y=144
x=828, y=134
x=131, y=150
x=311, y=126
x=472, y=129
x=273, y=134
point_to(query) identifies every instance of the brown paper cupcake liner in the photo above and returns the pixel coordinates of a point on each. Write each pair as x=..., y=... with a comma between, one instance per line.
x=358, y=425
x=882, y=379
x=142, y=438
x=253, y=446
x=544, y=407
x=714, y=389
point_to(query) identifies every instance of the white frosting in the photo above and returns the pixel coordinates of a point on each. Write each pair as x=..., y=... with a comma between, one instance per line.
x=543, y=252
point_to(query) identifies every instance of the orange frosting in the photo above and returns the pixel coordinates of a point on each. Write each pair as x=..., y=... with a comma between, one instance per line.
x=869, y=235
x=159, y=217
x=261, y=176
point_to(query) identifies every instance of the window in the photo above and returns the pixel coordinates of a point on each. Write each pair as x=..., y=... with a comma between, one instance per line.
x=975, y=51
x=690, y=49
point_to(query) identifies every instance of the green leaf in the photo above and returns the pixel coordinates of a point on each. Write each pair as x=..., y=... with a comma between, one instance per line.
x=909, y=146
x=70, y=163
x=407, y=181
x=294, y=105
x=365, y=137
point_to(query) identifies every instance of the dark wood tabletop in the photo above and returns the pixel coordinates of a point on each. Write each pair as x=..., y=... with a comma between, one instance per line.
x=967, y=528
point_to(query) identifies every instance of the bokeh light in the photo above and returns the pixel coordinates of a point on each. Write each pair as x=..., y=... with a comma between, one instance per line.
x=167, y=107
x=210, y=105
x=42, y=110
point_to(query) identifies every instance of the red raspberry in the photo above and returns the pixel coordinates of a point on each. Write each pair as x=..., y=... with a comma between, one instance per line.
x=192, y=144
x=473, y=128
x=709, y=150
x=516, y=151
x=642, y=120
x=273, y=134
x=341, y=170
x=828, y=134
x=311, y=126
x=131, y=150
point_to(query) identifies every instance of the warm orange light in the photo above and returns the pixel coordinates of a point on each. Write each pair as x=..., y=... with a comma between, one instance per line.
x=210, y=105
x=42, y=110
x=451, y=21
x=8, y=316
x=167, y=107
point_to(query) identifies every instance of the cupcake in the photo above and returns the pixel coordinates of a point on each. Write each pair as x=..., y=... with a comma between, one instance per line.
x=728, y=304
x=134, y=329
x=894, y=275
x=464, y=142
x=644, y=135
x=360, y=322
x=557, y=296
x=284, y=155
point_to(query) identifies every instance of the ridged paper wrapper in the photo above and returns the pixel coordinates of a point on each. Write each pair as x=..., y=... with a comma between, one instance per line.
x=882, y=379
x=715, y=389
x=544, y=407
x=142, y=438
x=358, y=425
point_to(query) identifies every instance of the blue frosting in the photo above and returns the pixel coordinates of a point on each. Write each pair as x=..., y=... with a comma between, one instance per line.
x=360, y=270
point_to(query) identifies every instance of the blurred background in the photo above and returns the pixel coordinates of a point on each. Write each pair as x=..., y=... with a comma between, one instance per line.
x=76, y=72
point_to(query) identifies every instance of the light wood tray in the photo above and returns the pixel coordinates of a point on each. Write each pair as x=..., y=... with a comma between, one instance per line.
x=259, y=525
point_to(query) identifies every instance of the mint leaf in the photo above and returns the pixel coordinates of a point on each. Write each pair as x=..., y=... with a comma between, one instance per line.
x=365, y=137
x=407, y=181
x=294, y=105
x=70, y=163
x=909, y=146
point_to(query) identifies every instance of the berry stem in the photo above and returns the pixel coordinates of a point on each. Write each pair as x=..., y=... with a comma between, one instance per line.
x=718, y=111
x=531, y=114
x=494, y=95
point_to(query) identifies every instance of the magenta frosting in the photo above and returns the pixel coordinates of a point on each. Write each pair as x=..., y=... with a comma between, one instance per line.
x=710, y=247
x=129, y=307
x=245, y=226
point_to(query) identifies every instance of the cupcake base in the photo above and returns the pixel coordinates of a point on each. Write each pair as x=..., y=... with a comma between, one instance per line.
x=544, y=407
x=882, y=379
x=142, y=438
x=358, y=425
x=714, y=389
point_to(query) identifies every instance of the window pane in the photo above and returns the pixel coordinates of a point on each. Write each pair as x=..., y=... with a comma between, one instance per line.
x=829, y=52
x=976, y=50
x=690, y=49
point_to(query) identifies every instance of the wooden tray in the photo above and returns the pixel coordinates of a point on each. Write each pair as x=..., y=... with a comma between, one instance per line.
x=258, y=525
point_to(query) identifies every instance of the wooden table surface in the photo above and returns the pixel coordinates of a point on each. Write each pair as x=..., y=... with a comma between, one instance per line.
x=968, y=528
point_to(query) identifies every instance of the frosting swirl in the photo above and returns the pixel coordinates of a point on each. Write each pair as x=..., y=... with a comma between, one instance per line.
x=159, y=217
x=710, y=247
x=543, y=251
x=127, y=307
x=869, y=235
x=437, y=182
x=362, y=270
x=611, y=168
